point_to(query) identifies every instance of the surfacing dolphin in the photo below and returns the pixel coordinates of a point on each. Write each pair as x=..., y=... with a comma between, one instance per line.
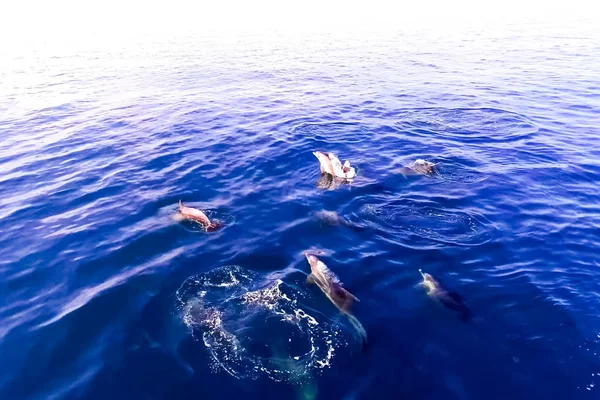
x=331, y=286
x=451, y=300
x=195, y=215
x=420, y=167
x=332, y=165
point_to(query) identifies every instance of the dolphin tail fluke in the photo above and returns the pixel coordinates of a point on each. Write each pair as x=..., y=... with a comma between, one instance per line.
x=359, y=328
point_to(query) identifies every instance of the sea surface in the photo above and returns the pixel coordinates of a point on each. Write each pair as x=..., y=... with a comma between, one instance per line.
x=103, y=295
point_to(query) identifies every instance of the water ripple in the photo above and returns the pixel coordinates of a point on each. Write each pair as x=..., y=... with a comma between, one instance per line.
x=467, y=125
x=440, y=225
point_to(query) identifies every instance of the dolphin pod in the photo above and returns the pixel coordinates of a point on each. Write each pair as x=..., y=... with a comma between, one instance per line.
x=333, y=174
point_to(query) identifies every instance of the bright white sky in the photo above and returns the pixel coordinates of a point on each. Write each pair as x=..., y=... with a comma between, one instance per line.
x=36, y=17
x=118, y=19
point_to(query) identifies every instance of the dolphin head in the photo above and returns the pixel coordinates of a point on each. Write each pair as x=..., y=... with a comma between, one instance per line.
x=423, y=166
x=312, y=261
x=428, y=281
x=317, y=273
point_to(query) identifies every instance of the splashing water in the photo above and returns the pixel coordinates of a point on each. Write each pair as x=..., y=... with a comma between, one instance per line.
x=226, y=311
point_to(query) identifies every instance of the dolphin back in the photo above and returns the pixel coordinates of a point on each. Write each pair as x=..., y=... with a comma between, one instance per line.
x=342, y=298
x=455, y=302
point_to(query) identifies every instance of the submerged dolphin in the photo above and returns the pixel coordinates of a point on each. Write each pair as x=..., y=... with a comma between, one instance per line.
x=449, y=299
x=332, y=165
x=420, y=167
x=304, y=384
x=334, y=219
x=193, y=214
x=331, y=286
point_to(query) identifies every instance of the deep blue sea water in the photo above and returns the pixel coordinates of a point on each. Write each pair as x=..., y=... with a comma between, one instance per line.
x=103, y=295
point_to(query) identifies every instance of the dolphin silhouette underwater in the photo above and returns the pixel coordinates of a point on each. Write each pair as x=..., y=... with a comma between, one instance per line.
x=305, y=386
x=449, y=299
x=332, y=218
x=195, y=215
x=331, y=286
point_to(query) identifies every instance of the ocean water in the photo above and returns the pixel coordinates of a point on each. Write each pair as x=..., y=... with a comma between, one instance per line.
x=104, y=295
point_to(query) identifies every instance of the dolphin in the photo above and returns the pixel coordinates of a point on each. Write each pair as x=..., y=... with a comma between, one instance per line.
x=451, y=300
x=331, y=286
x=420, y=167
x=331, y=164
x=193, y=214
x=334, y=219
